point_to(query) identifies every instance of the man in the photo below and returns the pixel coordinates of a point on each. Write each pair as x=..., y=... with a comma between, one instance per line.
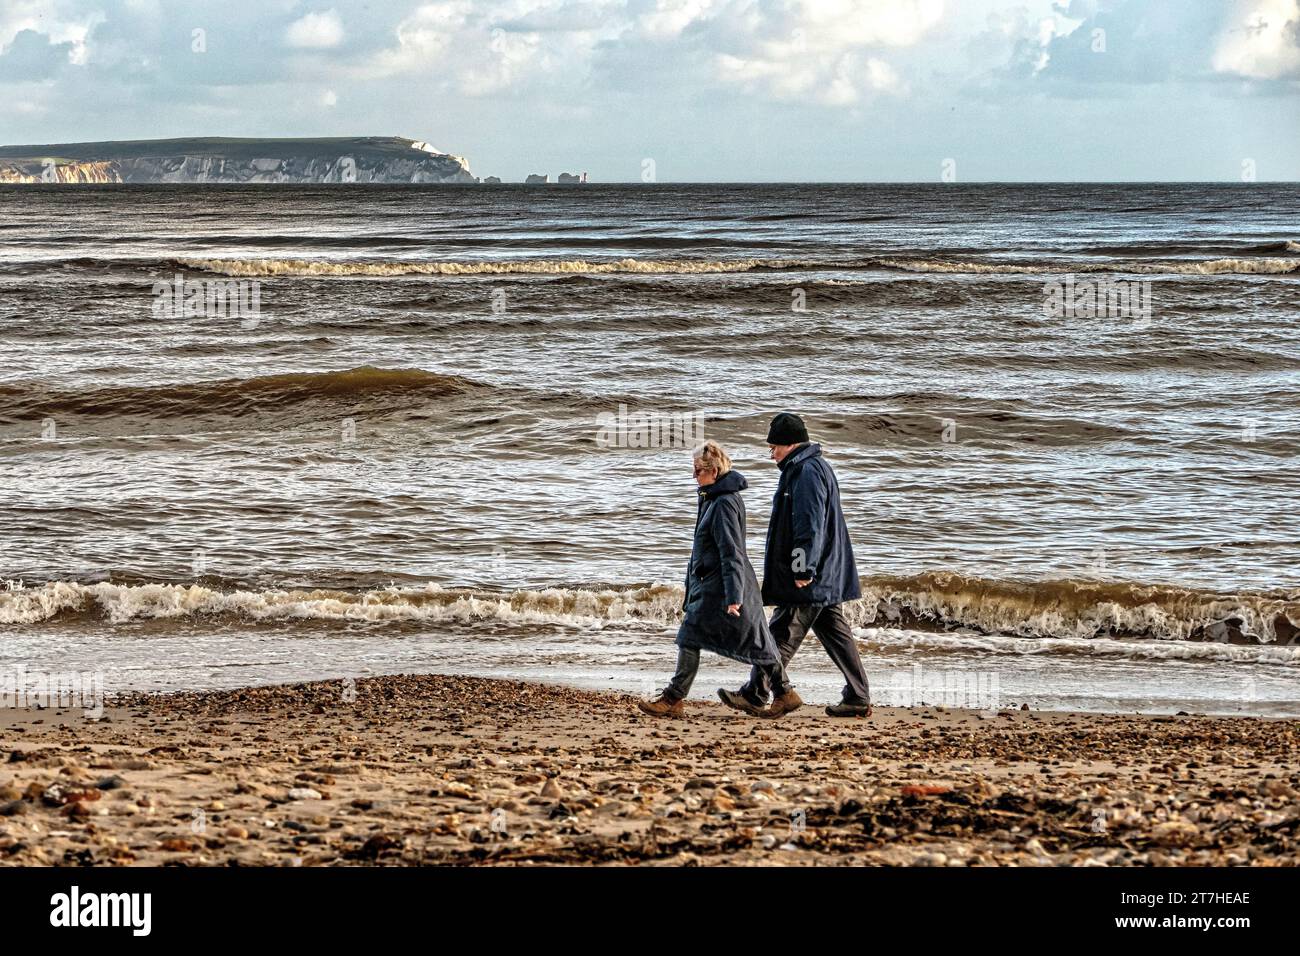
x=808, y=571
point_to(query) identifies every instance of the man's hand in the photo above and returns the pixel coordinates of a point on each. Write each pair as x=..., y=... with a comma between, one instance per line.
x=733, y=610
x=803, y=584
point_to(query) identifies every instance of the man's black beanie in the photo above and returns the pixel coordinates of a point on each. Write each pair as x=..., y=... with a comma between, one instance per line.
x=787, y=429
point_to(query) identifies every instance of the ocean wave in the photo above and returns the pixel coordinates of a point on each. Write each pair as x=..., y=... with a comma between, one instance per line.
x=934, y=601
x=1073, y=608
x=1186, y=247
x=1269, y=259
x=752, y=292
x=1144, y=356
x=253, y=268
x=920, y=419
x=25, y=401
x=268, y=268
x=1225, y=266
x=120, y=603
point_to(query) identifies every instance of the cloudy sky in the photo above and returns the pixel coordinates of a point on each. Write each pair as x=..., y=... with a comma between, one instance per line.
x=710, y=90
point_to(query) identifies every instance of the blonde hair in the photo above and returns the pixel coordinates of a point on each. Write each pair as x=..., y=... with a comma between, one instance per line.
x=711, y=455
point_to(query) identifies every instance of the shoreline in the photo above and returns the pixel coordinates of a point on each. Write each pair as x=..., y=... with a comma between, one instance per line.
x=435, y=769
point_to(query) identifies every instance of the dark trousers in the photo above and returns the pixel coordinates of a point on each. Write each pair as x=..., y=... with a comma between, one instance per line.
x=790, y=626
x=688, y=665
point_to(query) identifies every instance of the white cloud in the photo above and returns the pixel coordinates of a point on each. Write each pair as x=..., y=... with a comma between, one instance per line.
x=882, y=76
x=827, y=51
x=61, y=21
x=1262, y=40
x=819, y=50
x=423, y=37
x=316, y=31
x=668, y=18
x=481, y=48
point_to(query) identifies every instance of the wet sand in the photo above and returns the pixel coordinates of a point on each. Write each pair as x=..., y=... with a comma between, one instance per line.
x=462, y=771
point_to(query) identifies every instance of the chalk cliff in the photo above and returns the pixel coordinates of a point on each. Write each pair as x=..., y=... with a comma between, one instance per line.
x=364, y=159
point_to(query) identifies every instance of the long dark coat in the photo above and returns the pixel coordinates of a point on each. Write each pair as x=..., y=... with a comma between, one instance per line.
x=720, y=575
x=807, y=536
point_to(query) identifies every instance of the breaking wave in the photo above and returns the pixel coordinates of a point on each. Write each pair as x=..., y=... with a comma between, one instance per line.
x=267, y=268
x=315, y=267
x=1073, y=608
x=933, y=601
x=120, y=603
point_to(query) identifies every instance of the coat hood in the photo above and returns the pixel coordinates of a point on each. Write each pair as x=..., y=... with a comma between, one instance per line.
x=727, y=484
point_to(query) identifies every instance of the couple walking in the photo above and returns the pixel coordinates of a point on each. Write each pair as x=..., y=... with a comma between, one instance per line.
x=808, y=571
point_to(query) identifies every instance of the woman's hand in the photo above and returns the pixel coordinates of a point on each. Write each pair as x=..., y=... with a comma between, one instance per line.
x=733, y=610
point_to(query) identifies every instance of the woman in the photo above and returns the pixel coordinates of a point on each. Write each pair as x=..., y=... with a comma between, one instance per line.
x=723, y=607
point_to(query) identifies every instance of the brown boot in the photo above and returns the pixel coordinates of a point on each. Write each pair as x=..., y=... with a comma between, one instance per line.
x=787, y=702
x=661, y=706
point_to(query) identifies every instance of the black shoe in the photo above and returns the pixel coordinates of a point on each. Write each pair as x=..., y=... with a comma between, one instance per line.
x=846, y=709
x=738, y=701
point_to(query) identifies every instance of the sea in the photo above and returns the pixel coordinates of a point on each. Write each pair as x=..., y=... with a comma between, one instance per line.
x=265, y=434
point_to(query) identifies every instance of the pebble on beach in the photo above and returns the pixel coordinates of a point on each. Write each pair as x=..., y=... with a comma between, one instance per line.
x=456, y=770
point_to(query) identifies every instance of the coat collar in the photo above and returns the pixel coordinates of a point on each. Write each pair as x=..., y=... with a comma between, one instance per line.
x=803, y=453
x=727, y=484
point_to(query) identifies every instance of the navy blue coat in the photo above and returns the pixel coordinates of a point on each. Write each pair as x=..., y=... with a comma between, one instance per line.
x=720, y=575
x=807, y=536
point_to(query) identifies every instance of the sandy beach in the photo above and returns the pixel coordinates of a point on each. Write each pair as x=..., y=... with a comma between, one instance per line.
x=409, y=770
